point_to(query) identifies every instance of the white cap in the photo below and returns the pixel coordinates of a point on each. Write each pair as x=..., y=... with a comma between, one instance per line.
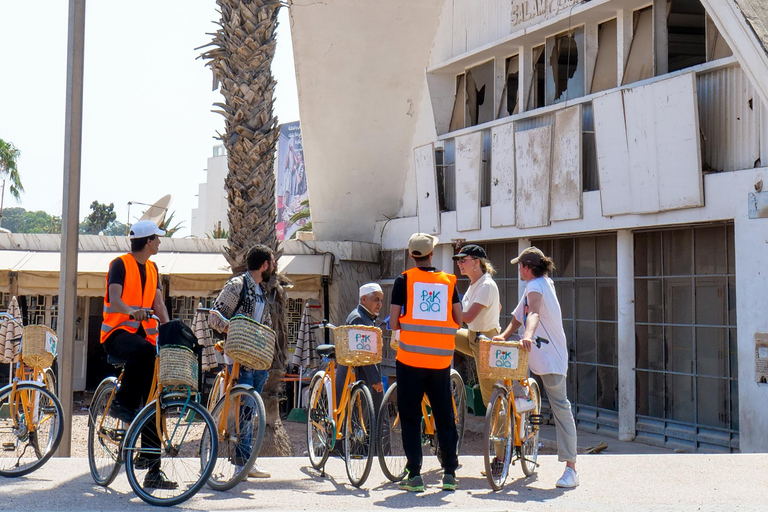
x=145, y=228
x=369, y=288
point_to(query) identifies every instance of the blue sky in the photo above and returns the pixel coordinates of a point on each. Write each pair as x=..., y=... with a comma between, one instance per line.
x=148, y=128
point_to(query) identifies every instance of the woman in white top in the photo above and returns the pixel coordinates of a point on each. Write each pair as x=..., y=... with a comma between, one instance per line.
x=480, y=305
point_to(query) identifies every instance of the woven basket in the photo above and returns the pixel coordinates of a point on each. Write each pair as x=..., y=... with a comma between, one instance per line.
x=178, y=366
x=358, y=345
x=502, y=360
x=38, y=346
x=250, y=343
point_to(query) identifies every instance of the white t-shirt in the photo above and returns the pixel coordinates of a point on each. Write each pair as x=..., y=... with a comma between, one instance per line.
x=552, y=357
x=483, y=291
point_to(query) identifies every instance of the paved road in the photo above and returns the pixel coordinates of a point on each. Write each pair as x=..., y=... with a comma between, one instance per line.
x=661, y=483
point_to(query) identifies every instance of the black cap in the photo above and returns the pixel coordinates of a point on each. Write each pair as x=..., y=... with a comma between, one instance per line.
x=470, y=250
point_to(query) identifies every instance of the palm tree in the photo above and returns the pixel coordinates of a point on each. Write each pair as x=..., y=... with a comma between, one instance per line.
x=240, y=57
x=9, y=155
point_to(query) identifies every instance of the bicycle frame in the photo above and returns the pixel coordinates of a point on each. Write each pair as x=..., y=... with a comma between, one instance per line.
x=340, y=409
x=507, y=384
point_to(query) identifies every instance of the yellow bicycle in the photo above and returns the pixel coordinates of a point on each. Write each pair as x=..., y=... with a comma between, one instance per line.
x=350, y=420
x=30, y=419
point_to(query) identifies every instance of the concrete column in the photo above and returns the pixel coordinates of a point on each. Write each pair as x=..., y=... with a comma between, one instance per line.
x=625, y=256
x=624, y=27
x=660, y=37
x=526, y=77
x=522, y=243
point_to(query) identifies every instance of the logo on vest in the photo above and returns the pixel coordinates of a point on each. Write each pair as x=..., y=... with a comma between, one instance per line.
x=430, y=301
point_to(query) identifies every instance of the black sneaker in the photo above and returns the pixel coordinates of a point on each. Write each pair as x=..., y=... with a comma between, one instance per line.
x=412, y=484
x=158, y=480
x=142, y=461
x=449, y=482
x=121, y=412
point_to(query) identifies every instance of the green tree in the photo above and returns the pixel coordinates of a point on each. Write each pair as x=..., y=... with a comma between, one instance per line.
x=115, y=228
x=99, y=218
x=9, y=155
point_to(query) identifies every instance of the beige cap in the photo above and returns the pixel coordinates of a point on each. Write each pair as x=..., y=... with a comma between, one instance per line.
x=531, y=256
x=421, y=244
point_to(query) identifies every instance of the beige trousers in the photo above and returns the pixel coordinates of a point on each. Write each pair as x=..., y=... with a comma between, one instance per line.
x=467, y=344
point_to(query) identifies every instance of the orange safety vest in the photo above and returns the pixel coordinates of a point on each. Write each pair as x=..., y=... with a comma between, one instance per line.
x=134, y=298
x=427, y=328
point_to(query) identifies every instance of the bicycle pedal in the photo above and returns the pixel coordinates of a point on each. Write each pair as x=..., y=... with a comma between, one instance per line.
x=8, y=447
x=537, y=419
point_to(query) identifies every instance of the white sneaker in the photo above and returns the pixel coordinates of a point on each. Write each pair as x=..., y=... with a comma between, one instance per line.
x=569, y=480
x=257, y=472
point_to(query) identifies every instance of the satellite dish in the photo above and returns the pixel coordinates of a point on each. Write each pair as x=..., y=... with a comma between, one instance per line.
x=156, y=212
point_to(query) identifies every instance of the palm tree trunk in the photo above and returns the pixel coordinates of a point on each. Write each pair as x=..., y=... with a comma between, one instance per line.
x=240, y=57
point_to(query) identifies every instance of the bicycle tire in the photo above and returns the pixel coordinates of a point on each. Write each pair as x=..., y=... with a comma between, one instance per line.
x=459, y=402
x=459, y=393
x=105, y=436
x=360, y=431
x=15, y=435
x=499, y=422
x=245, y=418
x=529, y=451
x=187, y=458
x=321, y=430
x=50, y=381
x=217, y=391
x=389, y=437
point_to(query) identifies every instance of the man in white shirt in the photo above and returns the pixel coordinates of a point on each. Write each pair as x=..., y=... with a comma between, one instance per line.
x=539, y=312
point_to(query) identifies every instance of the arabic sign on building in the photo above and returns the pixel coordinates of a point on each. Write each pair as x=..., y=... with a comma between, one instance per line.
x=291, y=181
x=524, y=11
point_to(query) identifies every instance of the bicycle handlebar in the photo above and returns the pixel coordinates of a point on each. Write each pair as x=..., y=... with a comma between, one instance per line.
x=8, y=316
x=537, y=340
x=323, y=325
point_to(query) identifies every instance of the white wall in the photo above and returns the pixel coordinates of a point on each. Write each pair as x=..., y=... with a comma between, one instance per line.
x=212, y=204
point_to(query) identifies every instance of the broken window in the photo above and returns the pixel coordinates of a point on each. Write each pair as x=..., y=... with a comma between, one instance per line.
x=538, y=79
x=640, y=61
x=457, y=117
x=509, y=96
x=686, y=34
x=717, y=47
x=565, y=69
x=446, y=176
x=479, y=94
x=606, y=72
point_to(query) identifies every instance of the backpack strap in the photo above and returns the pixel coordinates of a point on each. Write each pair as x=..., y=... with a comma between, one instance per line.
x=243, y=292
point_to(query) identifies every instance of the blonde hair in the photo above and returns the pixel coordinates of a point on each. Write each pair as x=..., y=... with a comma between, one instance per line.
x=487, y=267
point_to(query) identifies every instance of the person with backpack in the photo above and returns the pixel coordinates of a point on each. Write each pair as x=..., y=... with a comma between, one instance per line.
x=245, y=294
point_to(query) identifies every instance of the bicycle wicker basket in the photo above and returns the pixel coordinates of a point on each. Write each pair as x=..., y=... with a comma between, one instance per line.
x=358, y=345
x=250, y=343
x=38, y=346
x=178, y=366
x=502, y=360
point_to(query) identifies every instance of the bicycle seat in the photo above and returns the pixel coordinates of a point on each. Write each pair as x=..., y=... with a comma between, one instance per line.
x=116, y=361
x=326, y=350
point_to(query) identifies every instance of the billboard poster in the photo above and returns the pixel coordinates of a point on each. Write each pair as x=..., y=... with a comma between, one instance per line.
x=291, y=181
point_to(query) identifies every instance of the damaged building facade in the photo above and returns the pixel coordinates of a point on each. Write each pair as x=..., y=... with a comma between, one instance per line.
x=623, y=137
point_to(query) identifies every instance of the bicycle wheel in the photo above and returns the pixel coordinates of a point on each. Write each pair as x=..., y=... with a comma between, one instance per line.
x=359, y=434
x=389, y=437
x=50, y=381
x=217, y=391
x=459, y=393
x=30, y=427
x=321, y=430
x=529, y=451
x=499, y=423
x=240, y=423
x=173, y=470
x=105, y=435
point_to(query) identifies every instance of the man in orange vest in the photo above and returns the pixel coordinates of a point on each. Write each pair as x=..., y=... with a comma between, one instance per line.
x=426, y=308
x=128, y=334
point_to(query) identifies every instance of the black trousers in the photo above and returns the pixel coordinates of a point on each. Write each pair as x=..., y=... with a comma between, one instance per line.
x=136, y=384
x=412, y=384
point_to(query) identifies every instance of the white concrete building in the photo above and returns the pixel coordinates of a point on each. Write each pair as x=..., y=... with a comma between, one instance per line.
x=623, y=137
x=212, y=204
